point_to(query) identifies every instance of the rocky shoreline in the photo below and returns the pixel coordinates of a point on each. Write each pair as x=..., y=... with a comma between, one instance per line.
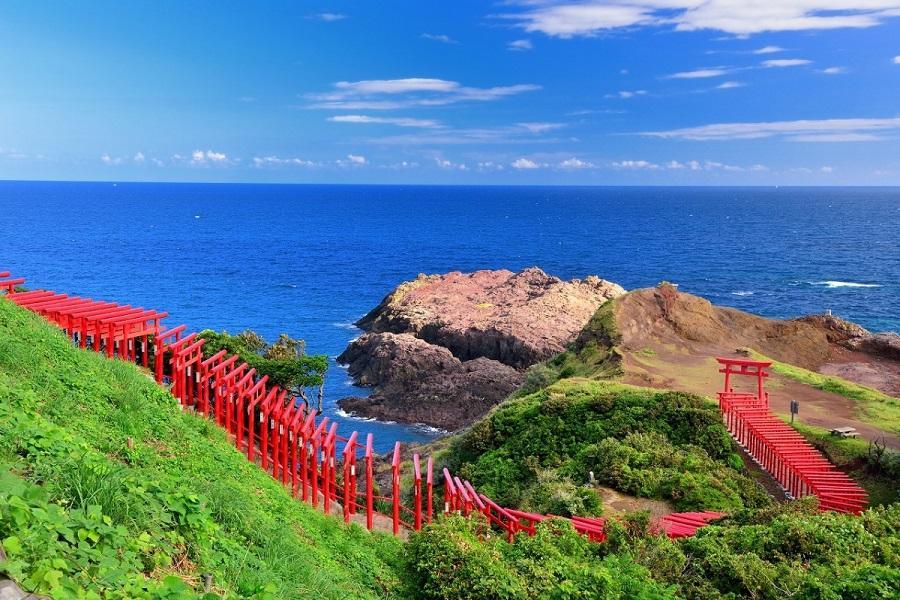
x=443, y=349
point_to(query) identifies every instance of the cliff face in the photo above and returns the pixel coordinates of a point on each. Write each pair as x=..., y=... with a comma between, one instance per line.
x=443, y=349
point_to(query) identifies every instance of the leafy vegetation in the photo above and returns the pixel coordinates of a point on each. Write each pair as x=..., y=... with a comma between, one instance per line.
x=110, y=491
x=651, y=443
x=783, y=551
x=284, y=362
x=452, y=559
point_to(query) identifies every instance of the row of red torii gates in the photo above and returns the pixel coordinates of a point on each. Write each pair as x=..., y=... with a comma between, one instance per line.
x=296, y=445
x=794, y=463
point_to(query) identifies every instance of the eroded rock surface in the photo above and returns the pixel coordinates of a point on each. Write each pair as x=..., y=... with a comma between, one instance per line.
x=443, y=349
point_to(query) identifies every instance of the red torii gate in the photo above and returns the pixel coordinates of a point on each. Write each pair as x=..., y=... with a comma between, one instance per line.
x=751, y=368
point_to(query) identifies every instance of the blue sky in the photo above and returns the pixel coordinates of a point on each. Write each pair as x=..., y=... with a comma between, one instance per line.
x=679, y=92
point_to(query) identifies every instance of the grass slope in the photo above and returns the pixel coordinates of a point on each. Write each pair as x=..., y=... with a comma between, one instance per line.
x=108, y=490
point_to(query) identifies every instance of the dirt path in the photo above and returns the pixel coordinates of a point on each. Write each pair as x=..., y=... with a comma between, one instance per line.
x=695, y=370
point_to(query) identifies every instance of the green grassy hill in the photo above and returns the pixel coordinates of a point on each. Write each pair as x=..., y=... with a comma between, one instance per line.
x=108, y=490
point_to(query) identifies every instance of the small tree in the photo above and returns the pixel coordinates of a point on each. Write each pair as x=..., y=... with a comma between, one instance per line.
x=285, y=362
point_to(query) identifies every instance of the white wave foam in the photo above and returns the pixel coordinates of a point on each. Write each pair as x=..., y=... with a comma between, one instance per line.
x=842, y=284
x=742, y=293
x=346, y=325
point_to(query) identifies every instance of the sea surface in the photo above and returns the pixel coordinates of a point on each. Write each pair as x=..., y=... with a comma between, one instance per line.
x=310, y=260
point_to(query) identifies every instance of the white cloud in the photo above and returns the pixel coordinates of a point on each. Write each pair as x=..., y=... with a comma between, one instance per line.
x=575, y=163
x=399, y=121
x=635, y=164
x=834, y=71
x=827, y=169
x=768, y=50
x=276, y=161
x=824, y=130
x=519, y=45
x=199, y=157
x=389, y=94
x=540, y=127
x=625, y=94
x=785, y=62
x=897, y=60
x=356, y=159
x=699, y=73
x=327, y=17
x=450, y=165
x=139, y=158
x=524, y=164
x=439, y=37
x=106, y=159
x=566, y=19
x=729, y=85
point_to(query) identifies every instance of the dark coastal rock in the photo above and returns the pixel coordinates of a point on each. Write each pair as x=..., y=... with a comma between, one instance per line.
x=418, y=382
x=444, y=349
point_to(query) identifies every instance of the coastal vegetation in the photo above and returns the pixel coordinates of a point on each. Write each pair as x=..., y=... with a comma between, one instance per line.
x=782, y=551
x=648, y=443
x=285, y=361
x=109, y=490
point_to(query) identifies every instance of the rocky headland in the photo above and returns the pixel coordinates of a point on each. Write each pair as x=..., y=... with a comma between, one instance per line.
x=444, y=349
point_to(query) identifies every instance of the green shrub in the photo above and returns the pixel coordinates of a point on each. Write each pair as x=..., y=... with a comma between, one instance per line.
x=574, y=427
x=453, y=559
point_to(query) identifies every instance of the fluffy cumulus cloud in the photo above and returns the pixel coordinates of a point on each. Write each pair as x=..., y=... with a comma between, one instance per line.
x=823, y=130
x=390, y=94
x=575, y=163
x=106, y=159
x=398, y=121
x=566, y=19
x=209, y=157
x=897, y=60
x=524, y=164
x=356, y=159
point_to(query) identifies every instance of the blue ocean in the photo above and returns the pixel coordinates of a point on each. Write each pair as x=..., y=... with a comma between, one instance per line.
x=309, y=260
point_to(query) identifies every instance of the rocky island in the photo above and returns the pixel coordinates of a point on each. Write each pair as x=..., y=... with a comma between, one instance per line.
x=444, y=349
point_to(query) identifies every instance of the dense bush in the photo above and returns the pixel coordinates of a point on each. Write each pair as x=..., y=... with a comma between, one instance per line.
x=574, y=427
x=783, y=551
x=649, y=465
x=451, y=560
